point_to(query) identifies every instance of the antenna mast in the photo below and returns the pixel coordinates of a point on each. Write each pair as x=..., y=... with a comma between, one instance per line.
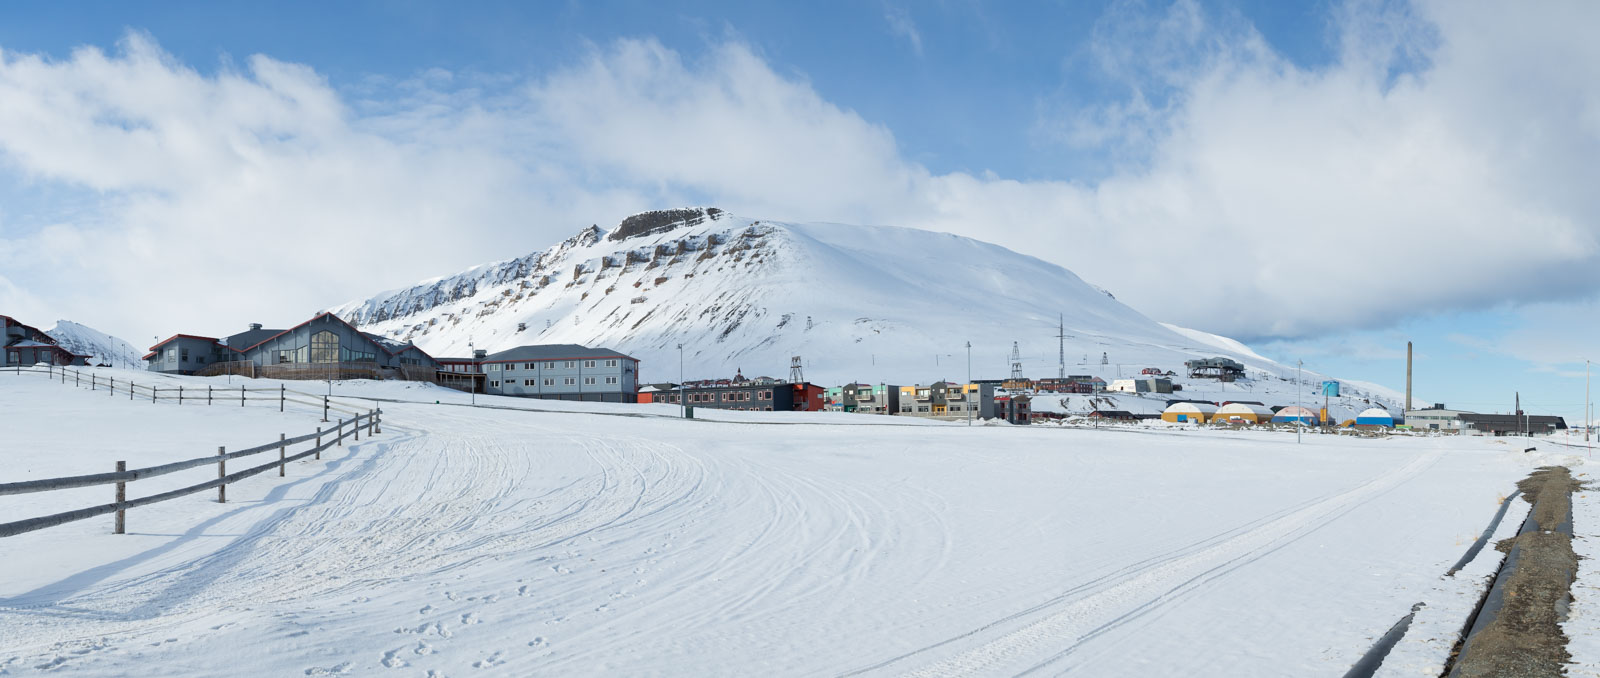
x=1061, y=338
x=796, y=375
x=1016, y=362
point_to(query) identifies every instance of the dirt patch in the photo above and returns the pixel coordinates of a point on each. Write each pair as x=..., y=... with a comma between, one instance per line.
x=1524, y=637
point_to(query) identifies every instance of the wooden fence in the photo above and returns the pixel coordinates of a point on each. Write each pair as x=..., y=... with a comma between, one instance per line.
x=210, y=395
x=371, y=421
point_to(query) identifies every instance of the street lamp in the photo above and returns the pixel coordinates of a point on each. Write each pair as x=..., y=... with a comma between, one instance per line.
x=472, y=382
x=683, y=403
x=969, y=383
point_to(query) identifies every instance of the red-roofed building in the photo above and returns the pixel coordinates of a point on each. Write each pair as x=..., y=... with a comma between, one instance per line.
x=28, y=345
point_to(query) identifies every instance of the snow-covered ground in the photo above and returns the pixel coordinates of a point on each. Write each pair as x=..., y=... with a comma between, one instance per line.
x=618, y=539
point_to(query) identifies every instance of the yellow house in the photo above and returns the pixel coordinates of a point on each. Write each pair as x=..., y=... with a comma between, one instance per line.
x=1189, y=413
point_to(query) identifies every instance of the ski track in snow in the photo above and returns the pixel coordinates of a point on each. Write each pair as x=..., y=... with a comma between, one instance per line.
x=517, y=542
x=1111, y=600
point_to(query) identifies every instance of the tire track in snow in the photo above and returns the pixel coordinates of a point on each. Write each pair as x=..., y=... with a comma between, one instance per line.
x=1101, y=605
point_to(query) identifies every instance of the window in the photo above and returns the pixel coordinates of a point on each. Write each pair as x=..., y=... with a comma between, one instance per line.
x=549, y=382
x=494, y=367
x=571, y=381
x=527, y=382
x=571, y=364
x=550, y=365
x=611, y=380
x=510, y=366
x=351, y=356
x=325, y=347
x=611, y=363
x=588, y=381
x=494, y=384
x=529, y=366
x=183, y=355
x=172, y=355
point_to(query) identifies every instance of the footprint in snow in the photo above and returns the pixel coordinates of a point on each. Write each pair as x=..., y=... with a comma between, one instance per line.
x=490, y=662
x=470, y=618
x=537, y=642
x=425, y=609
x=522, y=590
x=423, y=648
x=392, y=660
x=339, y=669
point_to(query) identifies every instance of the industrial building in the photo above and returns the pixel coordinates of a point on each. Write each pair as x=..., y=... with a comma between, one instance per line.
x=1189, y=413
x=1296, y=414
x=562, y=372
x=1375, y=416
x=1511, y=424
x=1435, y=418
x=1242, y=413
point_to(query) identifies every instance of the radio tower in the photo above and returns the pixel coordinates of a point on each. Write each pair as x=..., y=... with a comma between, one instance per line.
x=1061, y=337
x=796, y=375
x=1016, y=362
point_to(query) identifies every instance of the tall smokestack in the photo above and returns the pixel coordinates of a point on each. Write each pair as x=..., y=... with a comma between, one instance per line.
x=1408, y=376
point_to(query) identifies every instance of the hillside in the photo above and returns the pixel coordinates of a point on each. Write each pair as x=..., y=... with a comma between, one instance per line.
x=103, y=348
x=858, y=303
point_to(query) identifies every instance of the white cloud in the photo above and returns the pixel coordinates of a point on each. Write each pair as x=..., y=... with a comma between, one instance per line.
x=901, y=25
x=1442, y=162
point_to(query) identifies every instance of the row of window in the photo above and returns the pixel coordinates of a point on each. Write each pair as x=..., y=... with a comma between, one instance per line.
x=549, y=365
x=550, y=381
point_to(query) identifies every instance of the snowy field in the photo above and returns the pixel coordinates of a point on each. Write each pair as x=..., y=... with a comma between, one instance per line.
x=585, y=539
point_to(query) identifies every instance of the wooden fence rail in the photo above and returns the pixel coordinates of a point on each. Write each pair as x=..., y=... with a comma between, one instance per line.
x=372, y=421
x=210, y=395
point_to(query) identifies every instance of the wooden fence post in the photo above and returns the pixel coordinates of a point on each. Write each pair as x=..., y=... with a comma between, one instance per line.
x=222, y=472
x=281, y=396
x=280, y=455
x=76, y=377
x=92, y=378
x=122, y=496
x=241, y=395
x=319, y=442
x=370, y=421
x=208, y=395
x=377, y=421
x=180, y=395
x=357, y=422
x=153, y=394
x=113, y=390
x=324, y=409
x=338, y=439
x=130, y=390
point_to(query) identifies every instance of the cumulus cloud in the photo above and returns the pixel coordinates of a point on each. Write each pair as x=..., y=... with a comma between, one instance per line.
x=1442, y=161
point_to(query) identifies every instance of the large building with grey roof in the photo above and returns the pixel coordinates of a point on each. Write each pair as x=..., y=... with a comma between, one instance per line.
x=561, y=372
x=324, y=347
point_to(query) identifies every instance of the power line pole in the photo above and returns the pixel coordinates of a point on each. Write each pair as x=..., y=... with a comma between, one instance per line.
x=1061, y=340
x=683, y=403
x=1299, y=412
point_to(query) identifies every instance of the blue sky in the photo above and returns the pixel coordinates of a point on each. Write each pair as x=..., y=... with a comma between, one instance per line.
x=1362, y=161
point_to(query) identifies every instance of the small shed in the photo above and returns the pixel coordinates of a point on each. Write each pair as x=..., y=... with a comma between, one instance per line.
x=1295, y=413
x=1242, y=413
x=1375, y=416
x=1189, y=413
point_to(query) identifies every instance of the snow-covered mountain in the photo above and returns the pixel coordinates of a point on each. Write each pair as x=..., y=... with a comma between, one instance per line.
x=858, y=303
x=104, y=348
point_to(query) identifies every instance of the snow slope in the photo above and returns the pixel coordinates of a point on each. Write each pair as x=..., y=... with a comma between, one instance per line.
x=104, y=348
x=859, y=303
x=611, y=541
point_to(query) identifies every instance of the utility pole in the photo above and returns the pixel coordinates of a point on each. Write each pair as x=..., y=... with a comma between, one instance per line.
x=683, y=402
x=1587, y=420
x=1299, y=412
x=472, y=384
x=969, y=383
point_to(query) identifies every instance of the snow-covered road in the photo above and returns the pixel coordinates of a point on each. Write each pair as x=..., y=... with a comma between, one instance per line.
x=582, y=543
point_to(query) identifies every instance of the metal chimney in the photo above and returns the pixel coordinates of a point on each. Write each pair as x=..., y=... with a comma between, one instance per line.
x=1408, y=376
